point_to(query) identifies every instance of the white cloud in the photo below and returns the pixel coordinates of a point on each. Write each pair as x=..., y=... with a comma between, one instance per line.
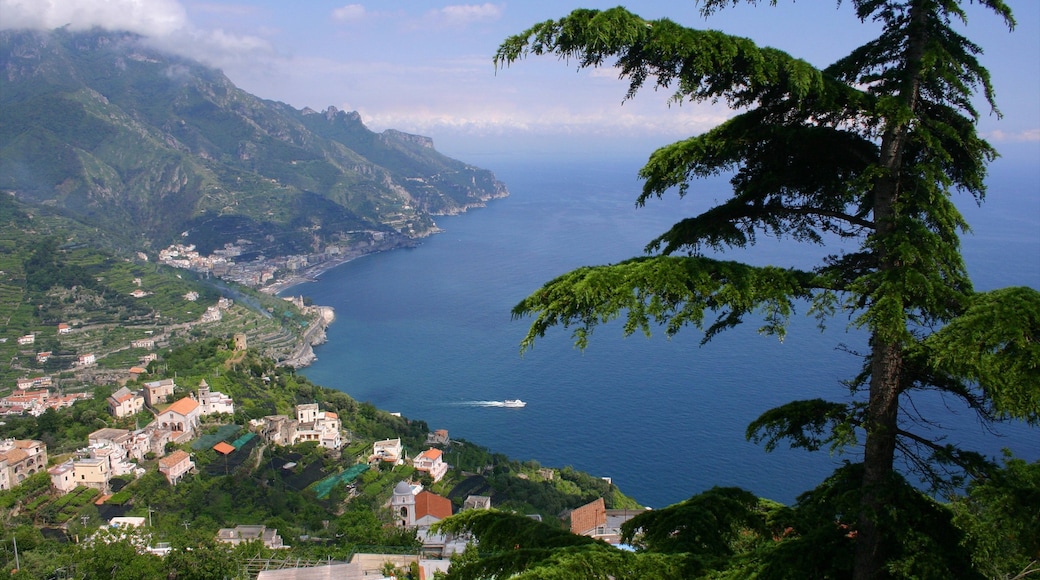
x=463, y=14
x=145, y=17
x=163, y=22
x=1026, y=136
x=349, y=13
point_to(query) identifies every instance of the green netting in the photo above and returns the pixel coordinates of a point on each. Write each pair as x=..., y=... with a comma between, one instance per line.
x=323, y=487
x=238, y=443
x=208, y=441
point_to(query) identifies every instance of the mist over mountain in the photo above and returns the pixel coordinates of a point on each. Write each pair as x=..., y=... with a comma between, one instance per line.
x=158, y=149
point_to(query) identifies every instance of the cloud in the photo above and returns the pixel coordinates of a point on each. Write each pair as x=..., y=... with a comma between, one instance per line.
x=464, y=14
x=1025, y=136
x=164, y=23
x=349, y=13
x=145, y=17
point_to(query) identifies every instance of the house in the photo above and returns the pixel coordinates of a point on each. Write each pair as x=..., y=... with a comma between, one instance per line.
x=109, y=436
x=158, y=392
x=182, y=418
x=27, y=383
x=64, y=328
x=311, y=424
x=92, y=472
x=85, y=360
x=175, y=465
x=20, y=459
x=438, y=437
x=63, y=477
x=124, y=403
x=212, y=402
x=476, y=502
x=42, y=357
x=431, y=462
x=138, y=293
x=277, y=429
x=388, y=450
x=135, y=372
x=589, y=519
x=431, y=508
x=148, y=343
x=240, y=534
x=212, y=314
x=26, y=339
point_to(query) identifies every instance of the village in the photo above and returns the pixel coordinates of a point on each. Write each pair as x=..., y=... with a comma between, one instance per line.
x=168, y=443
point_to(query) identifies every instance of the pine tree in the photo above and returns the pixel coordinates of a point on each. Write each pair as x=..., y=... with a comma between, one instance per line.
x=870, y=149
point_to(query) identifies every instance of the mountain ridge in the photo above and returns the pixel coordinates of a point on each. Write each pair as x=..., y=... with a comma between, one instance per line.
x=158, y=148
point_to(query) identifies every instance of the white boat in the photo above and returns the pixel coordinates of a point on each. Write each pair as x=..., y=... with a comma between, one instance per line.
x=517, y=403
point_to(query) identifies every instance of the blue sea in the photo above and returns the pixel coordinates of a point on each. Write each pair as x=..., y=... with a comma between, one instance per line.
x=427, y=332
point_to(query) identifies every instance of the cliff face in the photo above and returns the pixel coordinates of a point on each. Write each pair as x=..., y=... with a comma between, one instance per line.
x=151, y=146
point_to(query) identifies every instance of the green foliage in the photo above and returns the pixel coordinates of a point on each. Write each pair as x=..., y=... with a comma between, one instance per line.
x=518, y=547
x=821, y=529
x=869, y=150
x=668, y=291
x=999, y=517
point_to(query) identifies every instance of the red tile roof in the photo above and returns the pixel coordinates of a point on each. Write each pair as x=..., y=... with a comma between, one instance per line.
x=223, y=448
x=589, y=517
x=431, y=504
x=174, y=458
x=184, y=406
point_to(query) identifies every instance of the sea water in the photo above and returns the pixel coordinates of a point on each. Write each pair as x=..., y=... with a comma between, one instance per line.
x=427, y=332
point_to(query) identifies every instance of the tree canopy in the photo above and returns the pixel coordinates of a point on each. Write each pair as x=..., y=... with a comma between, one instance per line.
x=870, y=149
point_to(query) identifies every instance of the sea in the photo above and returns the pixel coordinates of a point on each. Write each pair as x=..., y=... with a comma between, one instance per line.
x=427, y=332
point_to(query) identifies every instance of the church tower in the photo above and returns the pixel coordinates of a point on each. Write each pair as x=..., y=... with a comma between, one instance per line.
x=403, y=505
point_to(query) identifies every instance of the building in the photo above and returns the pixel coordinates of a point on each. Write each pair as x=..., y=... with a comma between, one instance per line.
x=388, y=450
x=589, y=519
x=476, y=502
x=240, y=534
x=431, y=508
x=311, y=424
x=212, y=402
x=148, y=343
x=20, y=459
x=92, y=472
x=28, y=383
x=438, y=437
x=86, y=360
x=182, y=418
x=26, y=339
x=109, y=436
x=64, y=328
x=413, y=506
x=158, y=392
x=431, y=461
x=63, y=477
x=124, y=403
x=175, y=465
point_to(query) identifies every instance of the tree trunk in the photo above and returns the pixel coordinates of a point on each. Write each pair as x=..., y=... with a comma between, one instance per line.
x=878, y=458
x=887, y=351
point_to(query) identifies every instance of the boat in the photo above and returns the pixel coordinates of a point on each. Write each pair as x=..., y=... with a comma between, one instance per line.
x=516, y=403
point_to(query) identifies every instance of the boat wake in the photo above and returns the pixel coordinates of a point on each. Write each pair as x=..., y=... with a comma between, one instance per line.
x=508, y=403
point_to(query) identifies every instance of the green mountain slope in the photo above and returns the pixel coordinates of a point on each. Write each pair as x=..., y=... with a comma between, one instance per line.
x=146, y=145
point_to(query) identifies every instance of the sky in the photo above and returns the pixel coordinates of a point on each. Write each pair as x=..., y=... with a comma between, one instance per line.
x=426, y=66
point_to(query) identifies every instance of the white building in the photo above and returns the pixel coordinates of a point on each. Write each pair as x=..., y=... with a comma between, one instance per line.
x=388, y=450
x=431, y=461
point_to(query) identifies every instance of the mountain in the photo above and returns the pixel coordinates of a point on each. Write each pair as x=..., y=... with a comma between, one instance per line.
x=156, y=148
